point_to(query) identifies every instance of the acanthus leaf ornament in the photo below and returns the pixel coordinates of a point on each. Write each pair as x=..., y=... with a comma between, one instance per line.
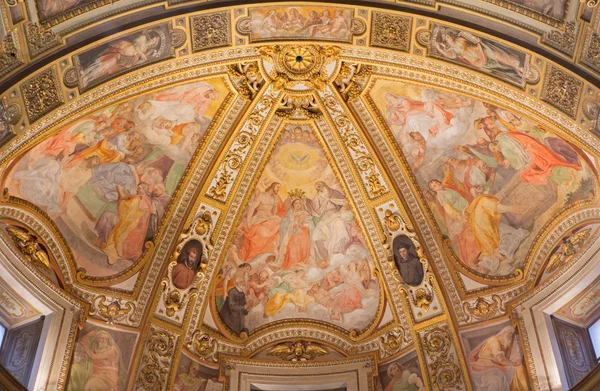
x=298, y=351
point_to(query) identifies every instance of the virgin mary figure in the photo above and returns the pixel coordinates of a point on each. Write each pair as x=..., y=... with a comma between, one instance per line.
x=295, y=248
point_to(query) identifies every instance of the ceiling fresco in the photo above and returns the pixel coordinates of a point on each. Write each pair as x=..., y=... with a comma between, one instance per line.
x=107, y=179
x=298, y=184
x=491, y=178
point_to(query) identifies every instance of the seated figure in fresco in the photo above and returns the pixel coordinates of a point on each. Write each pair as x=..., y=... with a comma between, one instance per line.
x=262, y=221
x=99, y=366
x=403, y=379
x=492, y=366
x=190, y=381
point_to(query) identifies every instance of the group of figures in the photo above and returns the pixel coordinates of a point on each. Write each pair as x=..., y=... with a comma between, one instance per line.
x=107, y=179
x=492, y=178
x=301, y=22
x=300, y=254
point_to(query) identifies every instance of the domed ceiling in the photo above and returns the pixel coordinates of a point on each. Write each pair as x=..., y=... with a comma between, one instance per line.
x=307, y=182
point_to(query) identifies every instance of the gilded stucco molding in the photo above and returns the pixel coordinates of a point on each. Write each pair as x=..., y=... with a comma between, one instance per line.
x=209, y=31
x=10, y=56
x=445, y=369
x=563, y=41
x=42, y=94
x=155, y=364
x=562, y=90
x=40, y=40
x=398, y=177
x=390, y=31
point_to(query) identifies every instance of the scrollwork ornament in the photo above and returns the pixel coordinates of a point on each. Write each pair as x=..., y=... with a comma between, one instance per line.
x=484, y=310
x=243, y=26
x=393, y=342
x=564, y=41
x=112, y=311
x=247, y=78
x=444, y=372
x=352, y=79
x=299, y=106
x=156, y=359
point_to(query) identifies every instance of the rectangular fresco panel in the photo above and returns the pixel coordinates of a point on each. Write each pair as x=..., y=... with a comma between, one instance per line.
x=403, y=374
x=298, y=251
x=495, y=358
x=322, y=23
x=193, y=376
x=48, y=9
x=479, y=53
x=124, y=54
x=106, y=179
x=554, y=9
x=491, y=178
x=102, y=358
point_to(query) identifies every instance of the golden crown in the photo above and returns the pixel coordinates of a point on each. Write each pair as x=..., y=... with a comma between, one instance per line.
x=296, y=193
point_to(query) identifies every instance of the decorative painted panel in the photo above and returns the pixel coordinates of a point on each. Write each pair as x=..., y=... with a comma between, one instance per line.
x=576, y=350
x=19, y=349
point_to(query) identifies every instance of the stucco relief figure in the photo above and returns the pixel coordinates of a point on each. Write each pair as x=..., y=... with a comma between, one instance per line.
x=300, y=22
x=491, y=177
x=408, y=264
x=106, y=180
x=97, y=365
x=497, y=363
x=480, y=53
x=187, y=264
x=298, y=250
